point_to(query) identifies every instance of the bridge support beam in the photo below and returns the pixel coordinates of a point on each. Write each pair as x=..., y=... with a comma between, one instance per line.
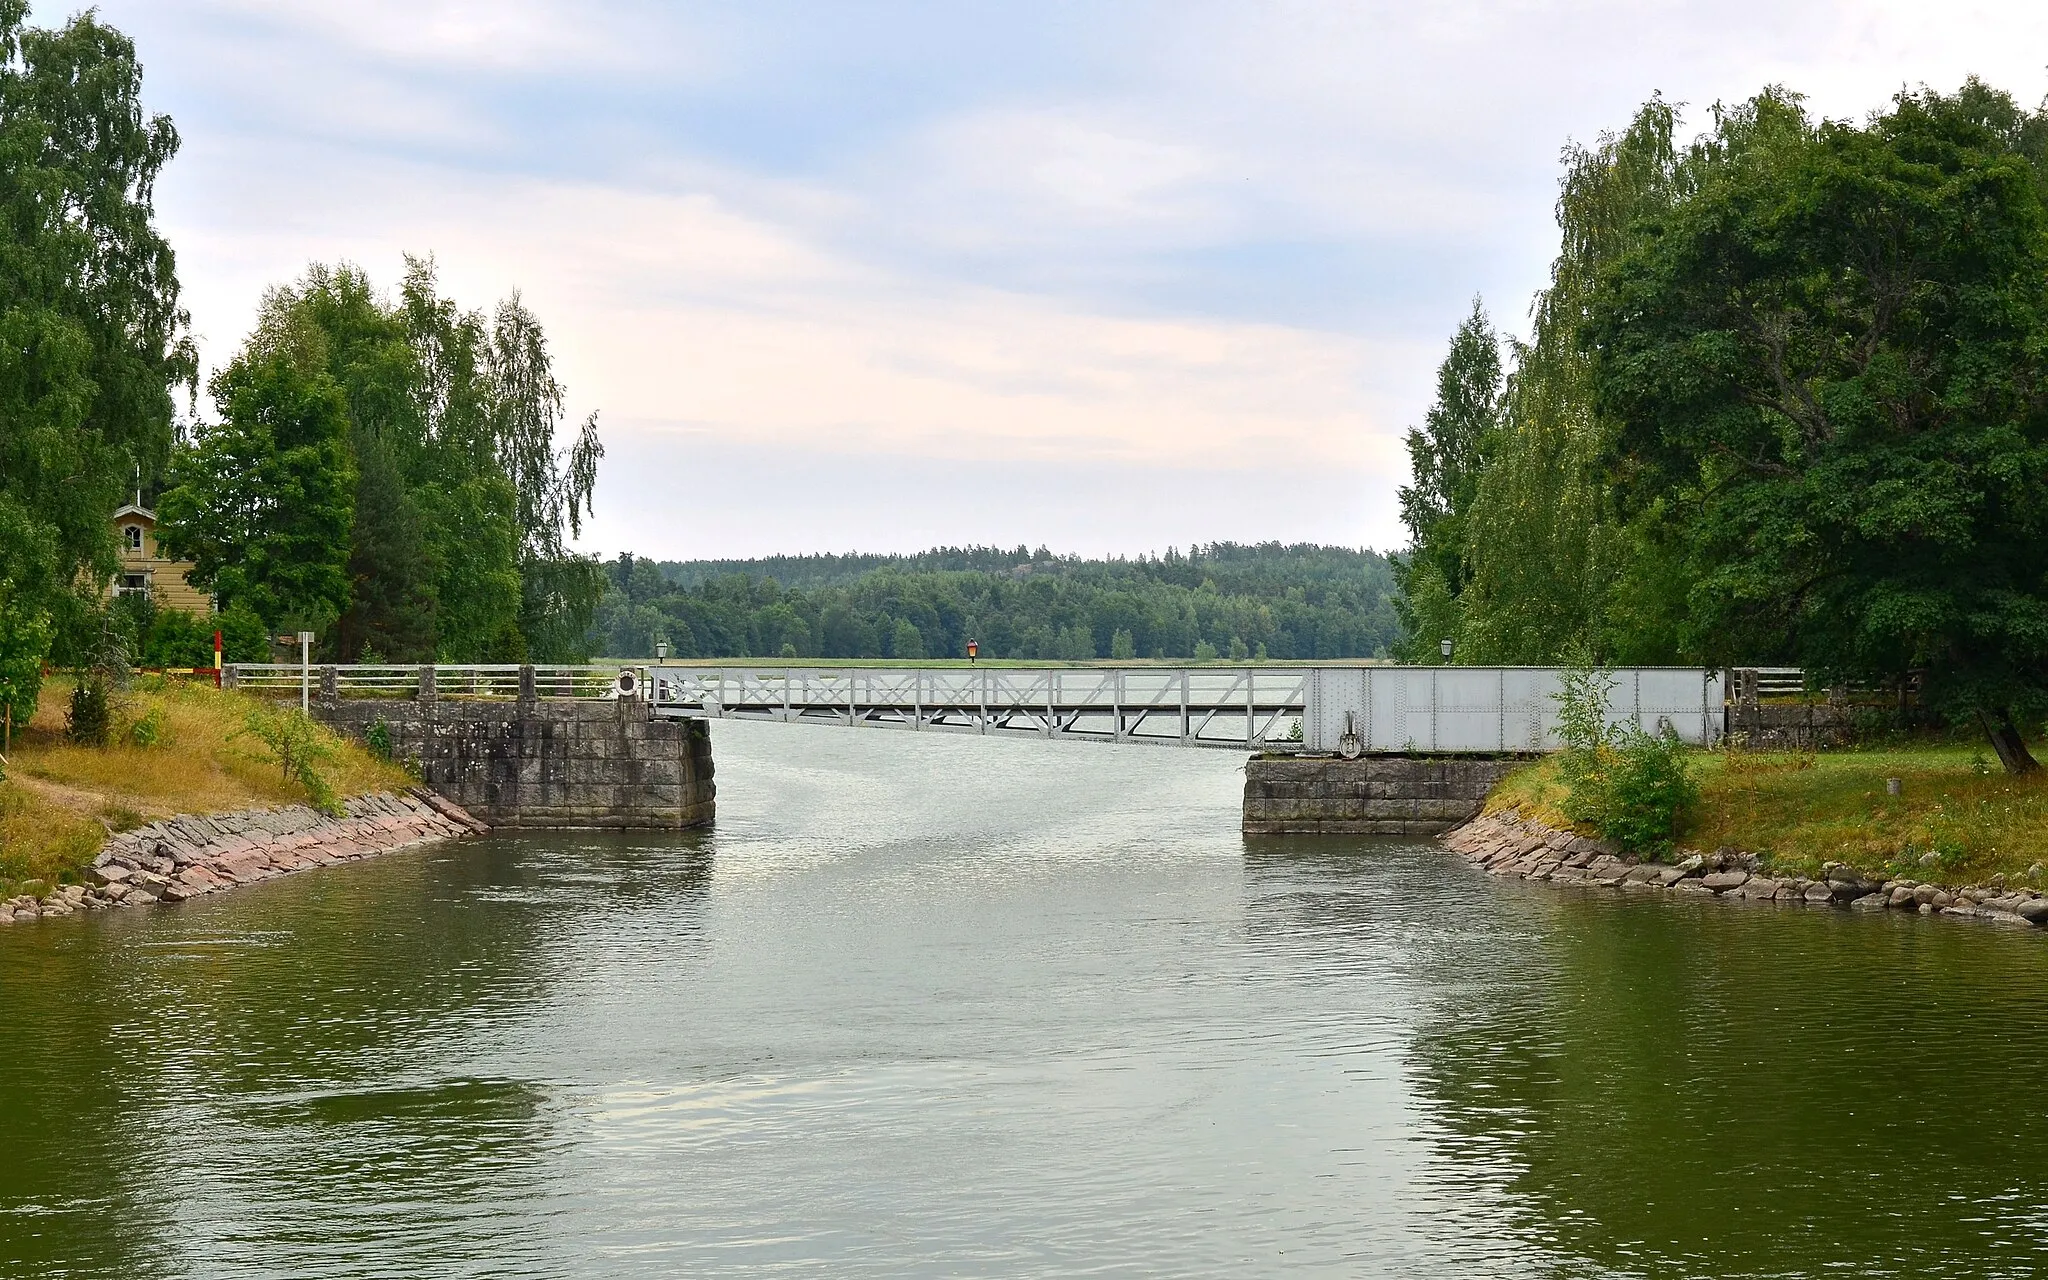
x=538, y=763
x=1373, y=795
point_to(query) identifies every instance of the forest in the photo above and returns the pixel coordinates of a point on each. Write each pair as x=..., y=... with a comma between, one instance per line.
x=1219, y=601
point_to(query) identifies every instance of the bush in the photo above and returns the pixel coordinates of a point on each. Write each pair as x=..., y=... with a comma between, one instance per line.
x=1632, y=786
x=175, y=638
x=378, y=739
x=149, y=730
x=1649, y=789
x=243, y=635
x=89, y=722
x=298, y=747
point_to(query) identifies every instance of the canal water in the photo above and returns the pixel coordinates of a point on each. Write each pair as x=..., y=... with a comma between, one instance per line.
x=942, y=1006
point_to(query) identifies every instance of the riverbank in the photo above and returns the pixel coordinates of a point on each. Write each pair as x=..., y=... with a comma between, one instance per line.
x=188, y=856
x=1954, y=818
x=174, y=748
x=1504, y=843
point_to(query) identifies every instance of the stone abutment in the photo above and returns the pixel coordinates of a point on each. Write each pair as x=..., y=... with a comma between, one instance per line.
x=1372, y=795
x=540, y=763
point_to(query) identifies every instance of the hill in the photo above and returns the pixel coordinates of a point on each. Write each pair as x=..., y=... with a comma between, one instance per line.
x=1269, y=600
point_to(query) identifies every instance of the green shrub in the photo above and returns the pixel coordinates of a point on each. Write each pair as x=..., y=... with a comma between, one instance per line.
x=89, y=722
x=149, y=730
x=298, y=747
x=1632, y=786
x=175, y=638
x=244, y=636
x=1649, y=787
x=378, y=739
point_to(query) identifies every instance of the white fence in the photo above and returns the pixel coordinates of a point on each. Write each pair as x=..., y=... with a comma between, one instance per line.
x=450, y=680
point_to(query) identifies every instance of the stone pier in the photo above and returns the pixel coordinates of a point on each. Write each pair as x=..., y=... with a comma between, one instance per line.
x=1373, y=795
x=538, y=763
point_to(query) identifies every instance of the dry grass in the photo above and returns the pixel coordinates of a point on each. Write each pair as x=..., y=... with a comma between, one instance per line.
x=61, y=793
x=41, y=841
x=1958, y=818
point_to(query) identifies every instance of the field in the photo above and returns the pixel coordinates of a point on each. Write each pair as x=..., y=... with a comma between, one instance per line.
x=1958, y=817
x=61, y=800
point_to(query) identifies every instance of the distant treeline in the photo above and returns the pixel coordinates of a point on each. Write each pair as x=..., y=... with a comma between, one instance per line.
x=1222, y=600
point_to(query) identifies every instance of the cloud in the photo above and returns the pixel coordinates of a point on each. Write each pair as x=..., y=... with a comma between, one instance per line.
x=1018, y=250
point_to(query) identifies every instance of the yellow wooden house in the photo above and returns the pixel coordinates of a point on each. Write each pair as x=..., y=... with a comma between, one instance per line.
x=144, y=569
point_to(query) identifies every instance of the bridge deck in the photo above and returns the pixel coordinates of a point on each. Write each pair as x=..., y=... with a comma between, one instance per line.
x=1199, y=707
x=1323, y=708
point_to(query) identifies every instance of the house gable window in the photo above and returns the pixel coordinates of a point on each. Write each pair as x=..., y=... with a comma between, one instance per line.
x=134, y=584
x=131, y=536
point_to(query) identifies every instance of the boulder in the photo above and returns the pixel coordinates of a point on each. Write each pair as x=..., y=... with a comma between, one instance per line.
x=1721, y=881
x=2033, y=911
x=1818, y=891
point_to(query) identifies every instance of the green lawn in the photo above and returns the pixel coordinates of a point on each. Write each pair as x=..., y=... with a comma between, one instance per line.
x=1800, y=810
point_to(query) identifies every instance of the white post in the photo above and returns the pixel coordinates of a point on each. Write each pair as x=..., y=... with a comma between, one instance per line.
x=305, y=672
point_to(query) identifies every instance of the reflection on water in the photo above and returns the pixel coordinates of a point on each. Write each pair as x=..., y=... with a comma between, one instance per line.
x=939, y=1006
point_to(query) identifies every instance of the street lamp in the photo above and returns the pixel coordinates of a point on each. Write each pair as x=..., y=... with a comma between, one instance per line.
x=972, y=650
x=1445, y=647
x=661, y=650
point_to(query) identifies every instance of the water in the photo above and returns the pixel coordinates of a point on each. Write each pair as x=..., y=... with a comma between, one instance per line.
x=943, y=1006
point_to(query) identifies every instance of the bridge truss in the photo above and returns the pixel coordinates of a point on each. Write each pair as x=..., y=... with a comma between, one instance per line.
x=1236, y=707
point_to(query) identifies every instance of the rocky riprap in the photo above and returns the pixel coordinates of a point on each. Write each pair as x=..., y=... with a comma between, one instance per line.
x=184, y=857
x=1505, y=844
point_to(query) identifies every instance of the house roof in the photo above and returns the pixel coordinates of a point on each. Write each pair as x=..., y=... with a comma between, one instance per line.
x=133, y=509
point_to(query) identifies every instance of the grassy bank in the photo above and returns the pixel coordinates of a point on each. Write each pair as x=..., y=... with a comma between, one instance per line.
x=1957, y=819
x=61, y=800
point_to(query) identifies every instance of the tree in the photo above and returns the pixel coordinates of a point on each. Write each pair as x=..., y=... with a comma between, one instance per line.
x=1446, y=456
x=553, y=489
x=907, y=641
x=391, y=569
x=1540, y=540
x=459, y=507
x=263, y=501
x=92, y=338
x=1832, y=356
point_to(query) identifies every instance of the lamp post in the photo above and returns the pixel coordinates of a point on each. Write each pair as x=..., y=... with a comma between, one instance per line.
x=1445, y=647
x=972, y=650
x=661, y=650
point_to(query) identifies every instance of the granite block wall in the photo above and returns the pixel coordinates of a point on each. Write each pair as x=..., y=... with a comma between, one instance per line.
x=548, y=764
x=1373, y=795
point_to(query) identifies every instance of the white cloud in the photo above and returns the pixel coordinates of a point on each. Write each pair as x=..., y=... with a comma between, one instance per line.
x=1173, y=242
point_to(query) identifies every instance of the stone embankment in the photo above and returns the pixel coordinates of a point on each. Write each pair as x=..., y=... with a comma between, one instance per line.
x=1505, y=844
x=184, y=857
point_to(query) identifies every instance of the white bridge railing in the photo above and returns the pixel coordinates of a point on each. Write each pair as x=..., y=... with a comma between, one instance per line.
x=1347, y=709
x=450, y=680
x=1235, y=707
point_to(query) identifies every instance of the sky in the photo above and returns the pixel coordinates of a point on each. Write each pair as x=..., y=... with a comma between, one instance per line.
x=1107, y=277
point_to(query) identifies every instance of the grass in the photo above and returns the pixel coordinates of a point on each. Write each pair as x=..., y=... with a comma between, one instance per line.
x=61, y=799
x=1958, y=817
